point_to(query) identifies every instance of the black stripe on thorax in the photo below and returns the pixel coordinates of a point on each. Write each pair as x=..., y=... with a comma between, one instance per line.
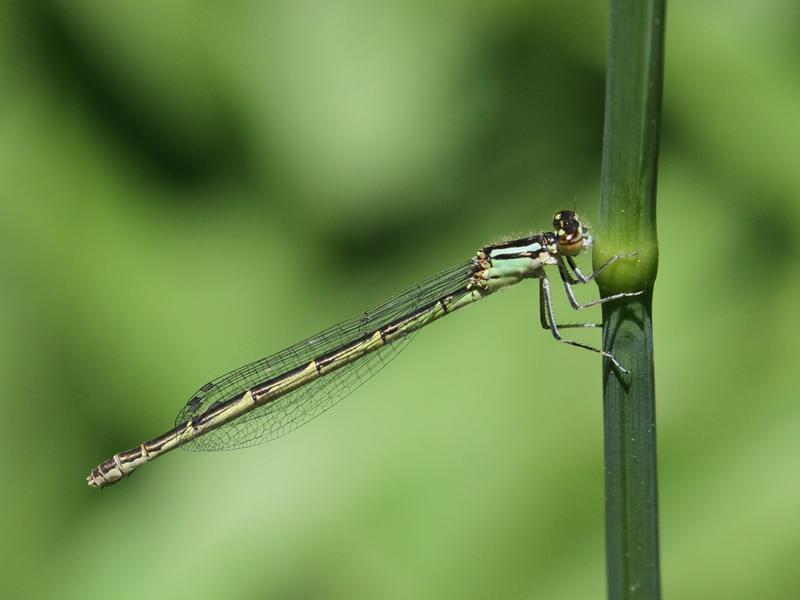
x=530, y=246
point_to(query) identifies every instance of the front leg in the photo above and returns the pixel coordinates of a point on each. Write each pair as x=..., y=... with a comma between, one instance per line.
x=568, y=282
x=587, y=278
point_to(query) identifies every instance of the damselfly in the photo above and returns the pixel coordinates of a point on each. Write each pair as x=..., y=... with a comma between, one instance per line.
x=271, y=397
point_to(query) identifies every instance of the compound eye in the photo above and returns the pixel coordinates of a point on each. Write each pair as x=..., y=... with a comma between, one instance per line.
x=569, y=232
x=562, y=216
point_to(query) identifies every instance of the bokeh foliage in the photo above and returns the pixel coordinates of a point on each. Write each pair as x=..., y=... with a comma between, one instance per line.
x=186, y=186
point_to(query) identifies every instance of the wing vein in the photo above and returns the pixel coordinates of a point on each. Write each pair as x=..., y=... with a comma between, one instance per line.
x=299, y=406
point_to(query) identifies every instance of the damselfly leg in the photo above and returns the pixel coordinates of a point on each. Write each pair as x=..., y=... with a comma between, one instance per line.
x=546, y=306
x=549, y=322
x=545, y=321
x=569, y=282
x=587, y=278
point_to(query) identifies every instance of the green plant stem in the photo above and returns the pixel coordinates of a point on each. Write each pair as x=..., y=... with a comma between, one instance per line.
x=628, y=222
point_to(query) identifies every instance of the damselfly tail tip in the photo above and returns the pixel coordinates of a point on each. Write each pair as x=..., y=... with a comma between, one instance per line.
x=91, y=481
x=95, y=479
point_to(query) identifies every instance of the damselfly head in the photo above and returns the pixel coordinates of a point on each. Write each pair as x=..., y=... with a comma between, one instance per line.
x=572, y=235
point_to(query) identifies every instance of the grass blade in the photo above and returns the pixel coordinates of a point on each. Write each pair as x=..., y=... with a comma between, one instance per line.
x=628, y=222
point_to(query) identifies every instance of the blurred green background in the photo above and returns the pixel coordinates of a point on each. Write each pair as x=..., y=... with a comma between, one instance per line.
x=188, y=186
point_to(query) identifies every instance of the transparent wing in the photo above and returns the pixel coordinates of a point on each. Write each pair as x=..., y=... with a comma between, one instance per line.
x=301, y=405
x=289, y=412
